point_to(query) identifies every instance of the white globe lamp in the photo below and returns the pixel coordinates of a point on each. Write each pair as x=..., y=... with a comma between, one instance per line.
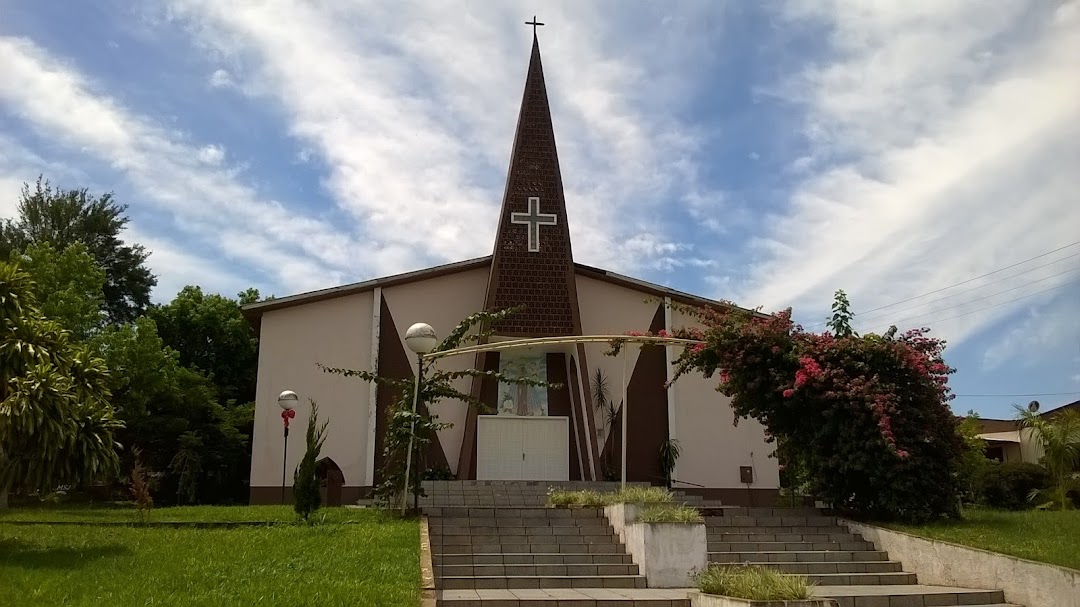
x=421, y=338
x=287, y=400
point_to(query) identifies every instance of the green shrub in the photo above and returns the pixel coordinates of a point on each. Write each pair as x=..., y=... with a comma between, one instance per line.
x=670, y=513
x=753, y=583
x=1009, y=485
x=631, y=494
x=305, y=479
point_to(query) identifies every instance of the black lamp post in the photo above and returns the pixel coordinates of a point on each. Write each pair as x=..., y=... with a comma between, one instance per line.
x=287, y=400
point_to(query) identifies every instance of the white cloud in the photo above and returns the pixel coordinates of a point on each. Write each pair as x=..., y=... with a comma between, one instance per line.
x=221, y=79
x=211, y=154
x=1041, y=331
x=944, y=137
x=207, y=203
x=412, y=109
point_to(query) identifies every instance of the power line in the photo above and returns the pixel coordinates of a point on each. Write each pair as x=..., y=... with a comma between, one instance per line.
x=1015, y=395
x=978, y=310
x=974, y=279
x=1026, y=284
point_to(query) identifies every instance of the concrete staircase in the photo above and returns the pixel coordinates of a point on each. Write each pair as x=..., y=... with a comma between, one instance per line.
x=844, y=566
x=495, y=543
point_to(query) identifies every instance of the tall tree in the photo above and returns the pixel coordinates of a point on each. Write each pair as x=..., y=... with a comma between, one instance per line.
x=64, y=217
x=68, y=286
x=171, y=412
x=1059, y=436
x=56, y=423
x=210, y=334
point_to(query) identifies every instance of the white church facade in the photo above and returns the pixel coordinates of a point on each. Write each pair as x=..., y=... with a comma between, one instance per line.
x=541, y=434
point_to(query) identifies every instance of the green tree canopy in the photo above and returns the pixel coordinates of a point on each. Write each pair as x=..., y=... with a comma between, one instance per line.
x=168, y=409
x=56, y=423
x=68, y=285
x=210, y=334
x=64, y=217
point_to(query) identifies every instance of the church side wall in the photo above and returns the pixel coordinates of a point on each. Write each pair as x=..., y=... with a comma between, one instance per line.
x=713, y=448
x=610, y=309
x=442, y=302
x=336, y=333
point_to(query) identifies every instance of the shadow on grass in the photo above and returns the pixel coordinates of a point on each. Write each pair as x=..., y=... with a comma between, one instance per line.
x=17, y=553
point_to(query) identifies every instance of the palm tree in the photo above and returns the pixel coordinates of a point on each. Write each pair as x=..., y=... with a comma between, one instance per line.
x=1059, y=437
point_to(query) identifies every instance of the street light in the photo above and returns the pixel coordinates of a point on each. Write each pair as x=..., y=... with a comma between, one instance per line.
x=287, y=400
x=421, y=339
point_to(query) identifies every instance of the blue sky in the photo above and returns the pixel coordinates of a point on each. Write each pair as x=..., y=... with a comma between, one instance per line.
x=767, y=153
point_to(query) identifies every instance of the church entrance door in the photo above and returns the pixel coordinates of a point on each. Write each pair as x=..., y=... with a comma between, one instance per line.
x=512, y=448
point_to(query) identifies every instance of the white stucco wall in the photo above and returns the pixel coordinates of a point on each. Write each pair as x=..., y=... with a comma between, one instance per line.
x=337, y=333
x=713, y=448
x=442, y=302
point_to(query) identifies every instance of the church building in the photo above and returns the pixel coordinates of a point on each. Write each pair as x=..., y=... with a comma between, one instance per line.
x=539, y=434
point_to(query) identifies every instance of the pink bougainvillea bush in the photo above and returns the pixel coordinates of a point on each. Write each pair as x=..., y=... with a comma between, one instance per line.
x=867, y=417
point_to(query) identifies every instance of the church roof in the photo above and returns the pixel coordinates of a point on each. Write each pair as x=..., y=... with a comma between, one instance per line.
x=254, y=311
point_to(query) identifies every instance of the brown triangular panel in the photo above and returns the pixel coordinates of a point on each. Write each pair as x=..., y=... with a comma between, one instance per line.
x=394, y=362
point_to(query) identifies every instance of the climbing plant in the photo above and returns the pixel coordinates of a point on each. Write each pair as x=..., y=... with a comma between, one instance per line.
x=436, y=385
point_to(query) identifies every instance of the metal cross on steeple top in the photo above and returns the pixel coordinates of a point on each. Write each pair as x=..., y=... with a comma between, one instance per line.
x=533, y=23
x=534, y=219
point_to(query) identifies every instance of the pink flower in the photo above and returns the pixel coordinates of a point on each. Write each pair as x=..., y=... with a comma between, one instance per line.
x=663, y=333
x=902, y=454
x=789, y=393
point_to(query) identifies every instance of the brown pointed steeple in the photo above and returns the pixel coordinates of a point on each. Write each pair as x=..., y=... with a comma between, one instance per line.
x=532, y=265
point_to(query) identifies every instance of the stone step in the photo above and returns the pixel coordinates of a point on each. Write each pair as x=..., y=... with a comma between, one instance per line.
x=612, y=548
x=907, y=595
x=892, y=578
x=762, y=512
x=787, y=546
x=556, y=597
x=770, y=521
x=836, y=567
x=470, y=540
x=808, y=556
x=564, y=581
x=529, y=558
x=828, y=529
x=511, y=512
x=783, y=537
x=510, y=521
x=536, y=570
x=522, y=531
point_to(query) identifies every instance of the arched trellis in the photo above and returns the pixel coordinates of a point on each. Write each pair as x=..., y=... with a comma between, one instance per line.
x=574, y=339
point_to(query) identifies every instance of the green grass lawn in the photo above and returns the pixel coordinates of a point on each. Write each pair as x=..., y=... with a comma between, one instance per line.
x=374, y=560
x=125, y=513
x=1049, y=537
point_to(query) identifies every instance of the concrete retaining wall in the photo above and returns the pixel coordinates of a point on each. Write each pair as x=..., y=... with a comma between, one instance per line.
x=940, y=563
x=668, y=554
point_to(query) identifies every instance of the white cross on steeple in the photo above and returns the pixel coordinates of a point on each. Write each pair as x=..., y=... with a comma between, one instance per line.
x=534, y=219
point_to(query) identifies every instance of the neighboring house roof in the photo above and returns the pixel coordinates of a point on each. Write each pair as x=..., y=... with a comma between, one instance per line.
x=254, y=311
x=1073, y=406
x=988, y=426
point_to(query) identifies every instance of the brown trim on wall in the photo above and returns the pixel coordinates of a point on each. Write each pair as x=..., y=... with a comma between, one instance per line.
x=586, y=388
x=258, y=496
x=647, y=411
x=394, y=363
x=736, y=496
x=487, y=390
x=560, y=403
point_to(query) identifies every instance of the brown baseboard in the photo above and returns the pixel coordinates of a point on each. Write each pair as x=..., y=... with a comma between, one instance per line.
x=735, y=496
x=272, y=495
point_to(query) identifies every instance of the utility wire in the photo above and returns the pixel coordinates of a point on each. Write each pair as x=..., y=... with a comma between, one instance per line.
x=973, y=279
x=972, y=311
x=1027, y=271
x=1026, y=284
